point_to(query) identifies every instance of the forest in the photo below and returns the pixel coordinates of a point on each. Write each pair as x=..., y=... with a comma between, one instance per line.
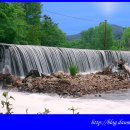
x=24, y=23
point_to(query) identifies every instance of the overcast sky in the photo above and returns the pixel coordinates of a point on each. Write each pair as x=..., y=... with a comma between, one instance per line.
x=73, y=17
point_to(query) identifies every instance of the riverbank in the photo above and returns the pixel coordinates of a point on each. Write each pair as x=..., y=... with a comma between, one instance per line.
x=66, y=85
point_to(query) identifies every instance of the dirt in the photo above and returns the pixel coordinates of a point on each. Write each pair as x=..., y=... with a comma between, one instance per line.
x=66, y=85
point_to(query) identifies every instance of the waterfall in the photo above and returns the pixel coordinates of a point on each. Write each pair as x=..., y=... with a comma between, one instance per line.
x=23, y=58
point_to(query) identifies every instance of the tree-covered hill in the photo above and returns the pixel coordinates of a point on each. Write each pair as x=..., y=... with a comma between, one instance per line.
x=116, y=29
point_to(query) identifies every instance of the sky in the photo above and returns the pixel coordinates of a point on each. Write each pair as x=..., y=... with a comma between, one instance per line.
x=74, y=17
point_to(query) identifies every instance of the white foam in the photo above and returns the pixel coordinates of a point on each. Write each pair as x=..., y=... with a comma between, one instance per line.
x=108, y=104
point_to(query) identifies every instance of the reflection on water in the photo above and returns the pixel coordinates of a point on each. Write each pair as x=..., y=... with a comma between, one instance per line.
x=113, y=103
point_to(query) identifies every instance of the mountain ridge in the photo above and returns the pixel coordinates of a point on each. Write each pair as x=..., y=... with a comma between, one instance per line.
x=116, y=29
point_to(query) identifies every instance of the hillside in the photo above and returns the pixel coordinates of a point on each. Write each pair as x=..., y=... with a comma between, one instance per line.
x=117, y=33
x=73, y=37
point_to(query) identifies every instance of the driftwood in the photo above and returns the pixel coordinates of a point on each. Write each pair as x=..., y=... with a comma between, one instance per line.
x=107, y=70
x=126, y=69
x=122, y=67
x=120, y=64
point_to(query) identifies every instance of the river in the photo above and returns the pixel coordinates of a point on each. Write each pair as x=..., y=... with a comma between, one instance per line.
x=111, y=103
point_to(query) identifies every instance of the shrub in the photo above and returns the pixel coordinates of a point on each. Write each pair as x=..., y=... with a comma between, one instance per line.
x=73, y=70
x=73, y=110
x=46, y=111
x=6, y=103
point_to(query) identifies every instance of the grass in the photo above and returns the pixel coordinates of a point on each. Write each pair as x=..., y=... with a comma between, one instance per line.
x=73, y=69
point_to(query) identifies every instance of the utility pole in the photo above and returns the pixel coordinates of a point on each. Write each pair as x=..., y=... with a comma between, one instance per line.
x=105, y=35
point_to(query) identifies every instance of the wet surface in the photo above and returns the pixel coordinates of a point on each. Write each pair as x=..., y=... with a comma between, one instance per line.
x=111, y=103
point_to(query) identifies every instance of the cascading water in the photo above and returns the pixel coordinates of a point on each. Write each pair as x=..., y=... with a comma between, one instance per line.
x=23, y=58
x=20, y=59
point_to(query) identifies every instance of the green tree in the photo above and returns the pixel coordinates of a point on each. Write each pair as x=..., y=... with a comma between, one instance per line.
x=72, y=44
x=94, y=37
x=12, y=23
x=51, y=35
x=7, y=31
x=20, y=24
x=99, y=36
x=87, y=38
x=126, y=36
x=33, y=19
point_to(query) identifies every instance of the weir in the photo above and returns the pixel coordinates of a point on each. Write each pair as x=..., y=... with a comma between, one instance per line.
x=22, y=58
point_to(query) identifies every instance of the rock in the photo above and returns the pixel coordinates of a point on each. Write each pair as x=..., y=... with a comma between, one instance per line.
x=40, y=87
x=64, y=85
x=7, y=79
x=34, y=91
x=4, y=84
x=100, y=95
x=47, y=76
x=29, y=79
x=64, y=81
x=18, y=83
x=33, y=73
x=59, y=74
x=1, y=76
x=107, y=70
x=28, y=85
x=6, y=70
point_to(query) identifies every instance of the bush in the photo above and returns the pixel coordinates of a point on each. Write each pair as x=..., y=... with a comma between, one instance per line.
x=6, y=103
x=73, y=70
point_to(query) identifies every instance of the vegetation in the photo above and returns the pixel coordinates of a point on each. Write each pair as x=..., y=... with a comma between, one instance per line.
x=51, y=35
x=23, y=23
x=6, y=103
x=117, y=38
x=46, y=111
x=116, y=30
x=93, y=38
x=72, y=44
x=73, y=110
x=73, y=70
x=126, y=37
